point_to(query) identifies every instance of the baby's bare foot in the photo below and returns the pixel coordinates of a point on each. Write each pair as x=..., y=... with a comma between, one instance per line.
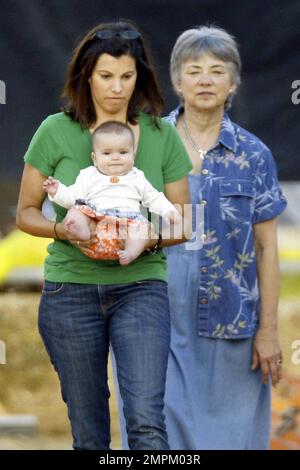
x=76, y=231
x=125, y=257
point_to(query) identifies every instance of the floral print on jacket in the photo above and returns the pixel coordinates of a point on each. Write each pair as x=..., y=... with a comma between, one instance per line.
x=238, y=188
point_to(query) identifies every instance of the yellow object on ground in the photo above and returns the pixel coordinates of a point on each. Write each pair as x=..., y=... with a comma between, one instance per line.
x=19, y=249
x=289, y=255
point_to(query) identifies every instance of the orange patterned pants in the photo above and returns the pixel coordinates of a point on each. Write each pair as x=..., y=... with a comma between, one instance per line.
x=111, y=232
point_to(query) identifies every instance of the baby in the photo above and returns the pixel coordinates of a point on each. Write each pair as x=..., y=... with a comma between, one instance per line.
x=114, y=187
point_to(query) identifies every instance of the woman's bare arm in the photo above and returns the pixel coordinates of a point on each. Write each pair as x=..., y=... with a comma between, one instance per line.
x=29, y=212
x=267, y=351
x=30, y=218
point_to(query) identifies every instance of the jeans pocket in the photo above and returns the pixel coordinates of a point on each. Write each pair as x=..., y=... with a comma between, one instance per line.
x=51, y=288
x=150, y=281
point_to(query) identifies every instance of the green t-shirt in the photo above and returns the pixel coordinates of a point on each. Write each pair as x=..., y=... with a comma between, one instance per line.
x=61, y=148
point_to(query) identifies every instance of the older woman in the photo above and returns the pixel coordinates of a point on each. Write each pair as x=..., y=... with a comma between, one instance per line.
x=225, y=346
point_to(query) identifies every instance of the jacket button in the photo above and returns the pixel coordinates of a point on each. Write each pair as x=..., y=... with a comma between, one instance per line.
x=203, y=300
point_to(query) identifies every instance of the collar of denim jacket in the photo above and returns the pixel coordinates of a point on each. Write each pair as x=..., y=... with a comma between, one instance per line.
x=227, y=135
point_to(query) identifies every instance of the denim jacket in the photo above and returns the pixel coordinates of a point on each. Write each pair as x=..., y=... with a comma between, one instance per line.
x=237, y=187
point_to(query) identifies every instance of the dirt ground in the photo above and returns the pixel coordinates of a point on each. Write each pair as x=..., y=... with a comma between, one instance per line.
x=28, y=384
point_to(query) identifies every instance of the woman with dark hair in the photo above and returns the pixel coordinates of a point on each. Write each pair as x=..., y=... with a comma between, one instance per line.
x=86, y=304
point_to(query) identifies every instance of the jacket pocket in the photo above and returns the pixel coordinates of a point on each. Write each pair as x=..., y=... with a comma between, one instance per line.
x=237, y=200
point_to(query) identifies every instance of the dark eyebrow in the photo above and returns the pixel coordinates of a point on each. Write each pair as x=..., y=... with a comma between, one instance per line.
x=108, y=71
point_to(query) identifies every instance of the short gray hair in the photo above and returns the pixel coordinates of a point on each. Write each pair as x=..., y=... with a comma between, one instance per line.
x=210, y=40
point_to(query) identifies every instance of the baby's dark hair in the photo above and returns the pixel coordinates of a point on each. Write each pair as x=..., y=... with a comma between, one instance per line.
x=115, y=127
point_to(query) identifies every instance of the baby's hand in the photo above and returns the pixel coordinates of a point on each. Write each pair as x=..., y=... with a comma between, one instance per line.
x=173, y=217
x=50, y=185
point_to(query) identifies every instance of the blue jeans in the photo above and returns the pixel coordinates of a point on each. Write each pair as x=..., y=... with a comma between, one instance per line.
x=77, y=323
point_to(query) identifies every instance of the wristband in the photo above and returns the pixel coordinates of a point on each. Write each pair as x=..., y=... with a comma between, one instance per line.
x=56, y=234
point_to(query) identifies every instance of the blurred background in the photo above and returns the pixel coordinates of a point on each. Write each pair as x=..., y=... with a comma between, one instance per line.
x=36, y=40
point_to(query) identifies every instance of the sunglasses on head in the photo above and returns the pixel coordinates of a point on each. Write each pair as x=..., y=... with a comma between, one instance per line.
x=109, y=34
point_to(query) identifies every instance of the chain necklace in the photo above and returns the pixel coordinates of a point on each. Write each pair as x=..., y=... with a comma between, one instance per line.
x=200, y=151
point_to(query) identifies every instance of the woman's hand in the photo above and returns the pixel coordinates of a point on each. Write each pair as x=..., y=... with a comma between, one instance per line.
x=267, y=353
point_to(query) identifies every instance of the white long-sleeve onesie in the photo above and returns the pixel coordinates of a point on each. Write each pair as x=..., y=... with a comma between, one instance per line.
x=102, y=192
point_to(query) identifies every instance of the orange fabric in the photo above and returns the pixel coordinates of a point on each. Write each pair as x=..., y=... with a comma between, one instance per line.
x=109, y=231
